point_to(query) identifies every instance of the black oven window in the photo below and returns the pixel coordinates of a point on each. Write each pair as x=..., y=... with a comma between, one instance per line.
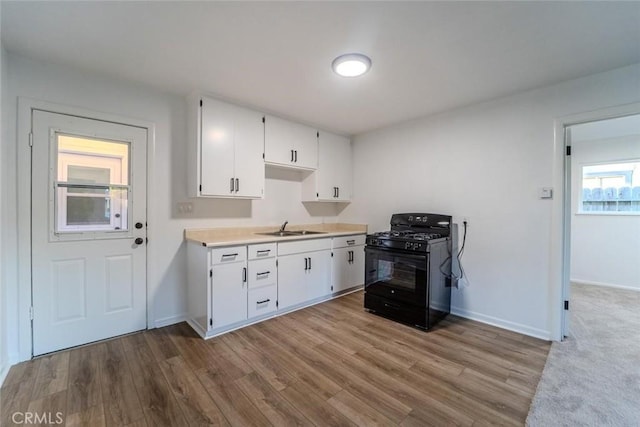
x=397, y=273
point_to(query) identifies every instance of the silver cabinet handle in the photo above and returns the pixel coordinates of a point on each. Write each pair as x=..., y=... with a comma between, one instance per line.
x=231, y=187
x=306, y=264
x=263, y=302
x=309, y=263
x=263, y=273
x=263, y=251
x=237, y=184
x=351, y=242
x=296, y=156
x=244, y=274
x=291, y=155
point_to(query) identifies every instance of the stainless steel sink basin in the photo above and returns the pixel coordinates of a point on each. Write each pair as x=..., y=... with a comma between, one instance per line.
x=303, y=232
x=291, y=233
x=280, y=233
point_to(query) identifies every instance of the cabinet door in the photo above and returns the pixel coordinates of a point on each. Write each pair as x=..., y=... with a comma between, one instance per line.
x=278, y=145
x=347, y=267
x=292, y=275
x=290, y=144
x=229, y=294
x=217, y=148
x=356, y=268
x=306, y=147
x=319, y=274
x=342, y=171
x=249, y=147
x=340, y=269
x=333, y=178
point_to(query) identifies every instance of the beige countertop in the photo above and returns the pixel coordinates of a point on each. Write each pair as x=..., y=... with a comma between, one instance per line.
x=212, y=237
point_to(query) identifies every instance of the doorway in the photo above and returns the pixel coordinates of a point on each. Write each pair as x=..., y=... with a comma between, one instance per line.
x=601, y=202
x=88, y=230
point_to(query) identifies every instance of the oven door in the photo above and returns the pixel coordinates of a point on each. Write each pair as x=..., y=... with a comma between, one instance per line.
x=397, y=275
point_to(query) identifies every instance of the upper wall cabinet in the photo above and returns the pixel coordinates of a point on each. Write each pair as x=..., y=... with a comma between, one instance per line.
x=227, y=150
x=332, y=181
x=290, y=144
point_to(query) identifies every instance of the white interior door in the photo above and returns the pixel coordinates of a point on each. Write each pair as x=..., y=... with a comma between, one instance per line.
x=88, y=230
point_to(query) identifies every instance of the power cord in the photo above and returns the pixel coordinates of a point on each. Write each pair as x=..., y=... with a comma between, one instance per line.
x=453, y=276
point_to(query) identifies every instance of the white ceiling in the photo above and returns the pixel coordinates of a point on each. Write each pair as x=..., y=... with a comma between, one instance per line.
x=427, y=56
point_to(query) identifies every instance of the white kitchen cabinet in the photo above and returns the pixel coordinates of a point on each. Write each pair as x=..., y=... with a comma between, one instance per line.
x=232, y=286
x=290, y=144
x=226, y=150
x=292, y=283
x=229, y=294
x=217, y=287
x=303, y=271
x=263, y=280
x=331, y=182
x=347, y=269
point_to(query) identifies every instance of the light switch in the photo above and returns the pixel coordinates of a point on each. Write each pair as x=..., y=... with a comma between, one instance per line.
x=546, y=193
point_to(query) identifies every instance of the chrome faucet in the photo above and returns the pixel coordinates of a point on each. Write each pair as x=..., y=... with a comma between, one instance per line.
x=283, y=226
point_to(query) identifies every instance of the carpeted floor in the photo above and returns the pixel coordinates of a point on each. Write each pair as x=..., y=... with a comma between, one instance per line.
x=593, y=377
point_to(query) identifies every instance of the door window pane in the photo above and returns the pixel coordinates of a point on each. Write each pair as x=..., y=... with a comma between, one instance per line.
x=92, y=185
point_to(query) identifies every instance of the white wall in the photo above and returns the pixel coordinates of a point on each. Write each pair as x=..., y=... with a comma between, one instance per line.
x=605, y=249
x=167, y=251
x=487, y=163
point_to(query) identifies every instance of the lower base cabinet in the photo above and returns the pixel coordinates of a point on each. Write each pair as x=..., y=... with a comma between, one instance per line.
x=303, y=277
x=231, y=286
x=347, y=269
x=229, y=294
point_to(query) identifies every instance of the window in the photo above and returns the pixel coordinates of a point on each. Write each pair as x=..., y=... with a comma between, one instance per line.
x=91, y=184
x=611, y=187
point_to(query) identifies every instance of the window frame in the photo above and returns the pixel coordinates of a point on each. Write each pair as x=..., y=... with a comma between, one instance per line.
x=627, y=174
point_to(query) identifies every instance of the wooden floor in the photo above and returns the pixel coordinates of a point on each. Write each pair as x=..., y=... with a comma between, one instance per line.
x=331, y=364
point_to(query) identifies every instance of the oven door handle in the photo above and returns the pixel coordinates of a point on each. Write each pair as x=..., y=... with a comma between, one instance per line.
x=396, y=253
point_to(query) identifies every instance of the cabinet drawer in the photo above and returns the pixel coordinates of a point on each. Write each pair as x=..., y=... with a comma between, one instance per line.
x=262, y=272
x=265, y=250
x=228, y=255
x=344, y=241
x=300, y=246
x=262, y=300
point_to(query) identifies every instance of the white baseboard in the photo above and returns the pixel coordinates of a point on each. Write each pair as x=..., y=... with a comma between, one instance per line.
x=172, y=320
x=501, y=323
x=608, y=285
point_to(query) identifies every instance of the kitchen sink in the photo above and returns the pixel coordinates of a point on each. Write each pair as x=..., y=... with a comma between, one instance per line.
x=291, y=233
x=303, y=232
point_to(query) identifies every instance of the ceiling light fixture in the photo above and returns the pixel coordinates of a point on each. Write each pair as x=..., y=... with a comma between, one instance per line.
x=351, y=64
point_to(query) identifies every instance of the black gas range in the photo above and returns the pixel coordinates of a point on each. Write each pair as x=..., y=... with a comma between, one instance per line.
x=408, y=269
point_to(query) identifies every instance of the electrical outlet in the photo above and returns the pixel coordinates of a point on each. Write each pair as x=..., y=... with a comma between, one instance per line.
x=185, y=207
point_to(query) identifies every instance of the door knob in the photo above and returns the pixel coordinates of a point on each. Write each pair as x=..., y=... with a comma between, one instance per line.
x=139, y=241
x=138, y=225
